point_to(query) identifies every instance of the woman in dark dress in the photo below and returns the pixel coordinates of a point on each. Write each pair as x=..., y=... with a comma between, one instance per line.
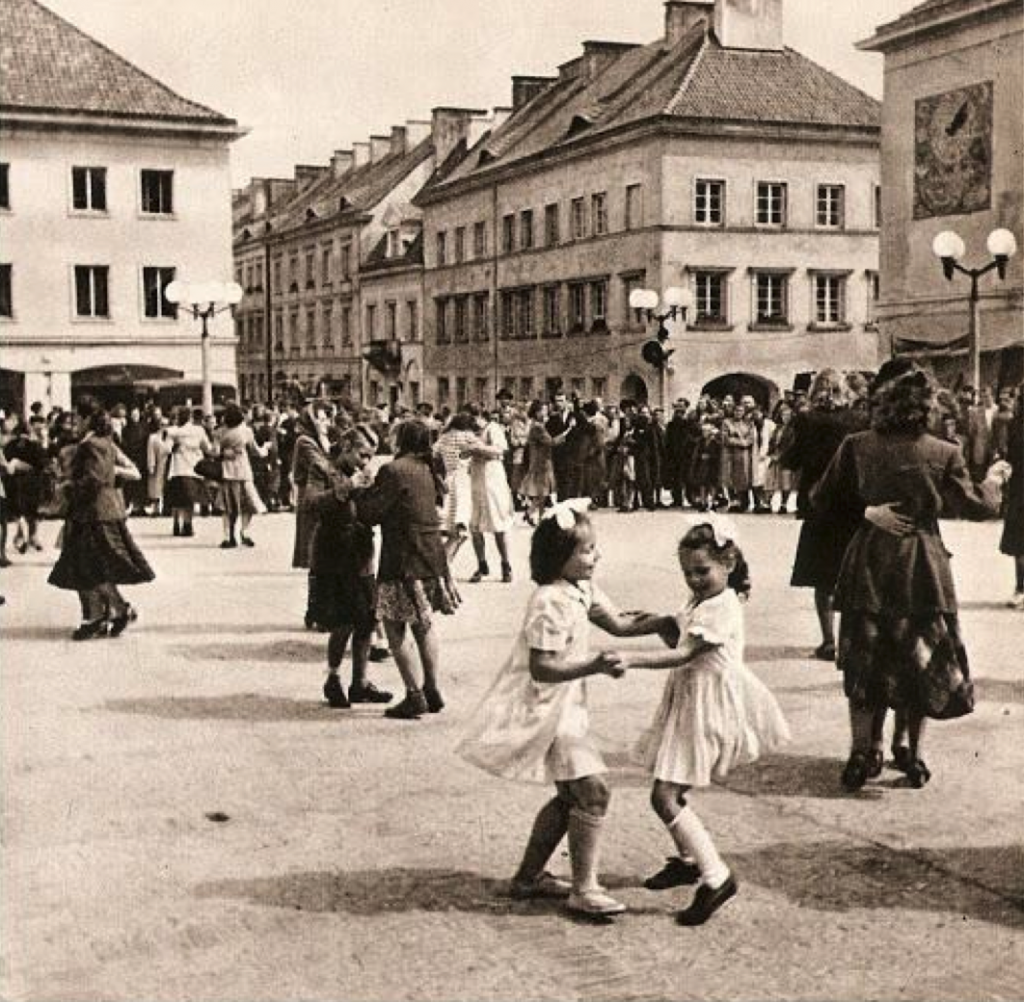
x=26, y=463
x=899, y=639
x=413, y=579
x=1012, y=541
x=817, y=433
x=98, y=552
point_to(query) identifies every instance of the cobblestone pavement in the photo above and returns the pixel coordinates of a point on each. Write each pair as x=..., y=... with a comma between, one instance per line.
x=183, y=818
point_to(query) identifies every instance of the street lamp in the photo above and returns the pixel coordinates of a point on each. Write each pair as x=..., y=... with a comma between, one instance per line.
x=949, y=248
x=205, y=300
x=676, y=302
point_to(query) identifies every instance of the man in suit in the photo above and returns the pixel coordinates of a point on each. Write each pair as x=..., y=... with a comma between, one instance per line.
x=559, y=423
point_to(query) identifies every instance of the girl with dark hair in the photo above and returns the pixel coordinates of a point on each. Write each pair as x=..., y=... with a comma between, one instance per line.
x=532, y=725
x=413, y=579
x=26, y=465
x=899, y=637
x=98, y=552
x=715, y=713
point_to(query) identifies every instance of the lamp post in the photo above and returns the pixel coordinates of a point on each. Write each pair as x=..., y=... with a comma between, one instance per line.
x=205, y=300
x=676, y=302
x=948, y=247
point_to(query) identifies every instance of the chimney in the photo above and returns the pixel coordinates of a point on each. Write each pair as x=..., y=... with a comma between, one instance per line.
x=307, y=173
x=570, y=70
x=682, y=15
x=398, y=139
x=380, y=146
x=342, y=162
x=749, y=24
x=598, y=56
x=525, y=89
x=500, y=117
x=448, y=127
x=361, y=151
x=416, y=131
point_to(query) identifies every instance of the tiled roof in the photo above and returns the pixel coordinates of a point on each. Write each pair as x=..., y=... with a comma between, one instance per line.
x=697, y=79
x=47, y=64
x=377, y=260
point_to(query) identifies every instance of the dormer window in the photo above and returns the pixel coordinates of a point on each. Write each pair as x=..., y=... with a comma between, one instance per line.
x=395, y=247
x=343, y=203
x=311, y=214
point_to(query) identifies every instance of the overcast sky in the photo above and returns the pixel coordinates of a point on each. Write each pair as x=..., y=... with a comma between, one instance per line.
x=310, y=76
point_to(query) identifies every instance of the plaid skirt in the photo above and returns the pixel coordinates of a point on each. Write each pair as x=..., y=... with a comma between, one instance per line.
x=95, y=553
x=915, y=663
x=412, y=600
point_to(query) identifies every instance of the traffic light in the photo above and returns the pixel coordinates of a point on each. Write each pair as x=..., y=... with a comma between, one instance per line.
x=654, y=353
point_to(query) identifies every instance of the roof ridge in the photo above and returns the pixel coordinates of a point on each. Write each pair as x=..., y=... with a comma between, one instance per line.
x=124, y=61
x=673, y=102
x=830, y=73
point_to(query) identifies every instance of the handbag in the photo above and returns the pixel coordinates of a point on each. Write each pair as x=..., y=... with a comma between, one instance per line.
x=210, y=469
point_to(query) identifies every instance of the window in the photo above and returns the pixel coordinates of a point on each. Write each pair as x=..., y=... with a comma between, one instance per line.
x=598, y=387
x=89, y=189
x=878, y=206
x=391, y=320
x=577, y=307
x=508, y=234
x=293, y=273
x=526, y=388
x=551, y=235
x=709, y=202
x=310, y=280
x=634, y=210
x=371, y=322
x=599, y=212
x=479, y=240
x=157, y=191
x=460, y=330
x=346, y=326
x=154, y=287
x=328, y=332
x=460, y=390
x=412, y=313
x=874, y=290
x=441, y=320
x=710, y=297
x=443, y=391
x=91, y=298
x=577, y=387
x=278, y=274
x=578, y=217
x=771, y=306
x=829, y=207
x=5, y=186
x=460, y=243
x=481, y=307
x=525, y=325
x=508, y=314
x=258, y=276
x=552, y=310
x=346, y=261
x=442, y=248
x=279, y=328
x=630, y=283
x=481, y=389
x=829, y=299
x=311, y=330
x=771, y=203
x=599, y=304
x=526, y=229
x=6, y=292
x=293, y=332
x=325, y=266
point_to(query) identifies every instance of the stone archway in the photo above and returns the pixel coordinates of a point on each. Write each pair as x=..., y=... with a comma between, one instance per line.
x=741, y=384
x=634, y=388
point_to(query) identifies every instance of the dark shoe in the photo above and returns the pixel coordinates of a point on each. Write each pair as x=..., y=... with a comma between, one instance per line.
x=36, y=545
x=368, y=693
x=481, y=572
x=435, y=703
x=334, y=693
x=677, y=872
x=246, y=541
x=228, y=544
x=901, y=759
x=411, y=708
x=918, y=773
x=855, y=772
x=706, y=902
x=120, y=623
x=21, y=547
x=188, y=530
x=379, y=653
x=875, y=759
x=177, y=529
x=89, y=631
x=4, y=562
x=506, y=573
x=825, y=652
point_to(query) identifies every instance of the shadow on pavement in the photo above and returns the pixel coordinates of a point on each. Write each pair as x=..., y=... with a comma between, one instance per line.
x=270, y=652
x=223, y=627
x=243, y=706
x=999, y=690
x=777, y=652
x=979, y=882
x=37, y=632
x=799, y=776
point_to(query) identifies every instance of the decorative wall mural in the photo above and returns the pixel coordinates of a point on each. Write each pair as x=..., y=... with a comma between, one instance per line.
x=953, y=152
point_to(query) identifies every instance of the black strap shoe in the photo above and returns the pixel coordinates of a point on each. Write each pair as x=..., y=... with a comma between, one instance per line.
x=706, y=902
x=334, y=693
x=677, y=872
x=368, y=693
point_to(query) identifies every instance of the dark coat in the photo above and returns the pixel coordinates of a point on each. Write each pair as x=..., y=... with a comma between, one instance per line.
x=93, y=495
x=1012, y=540
x=926, y=477
x=312, y=474
x=403, y=501
x=815, y=437
x=341, y=544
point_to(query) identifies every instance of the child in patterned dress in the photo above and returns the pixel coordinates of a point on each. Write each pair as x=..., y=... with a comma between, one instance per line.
x=714, y=713
x=532, y=725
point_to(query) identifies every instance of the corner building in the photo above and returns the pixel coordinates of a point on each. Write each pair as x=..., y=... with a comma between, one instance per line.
x=713, y=158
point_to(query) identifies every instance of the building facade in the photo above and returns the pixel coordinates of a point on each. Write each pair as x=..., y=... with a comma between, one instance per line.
x=952, y=159
x=713, y=158
x=111, y=187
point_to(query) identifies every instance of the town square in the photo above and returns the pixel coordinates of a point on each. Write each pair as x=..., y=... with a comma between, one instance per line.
x=512, y=502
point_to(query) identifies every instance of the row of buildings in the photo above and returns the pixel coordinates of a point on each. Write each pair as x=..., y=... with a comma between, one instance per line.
x=479, y=250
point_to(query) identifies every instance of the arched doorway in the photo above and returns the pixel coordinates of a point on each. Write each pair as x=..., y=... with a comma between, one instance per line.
x=743, y=384
x=120, y=384
x=633, y=388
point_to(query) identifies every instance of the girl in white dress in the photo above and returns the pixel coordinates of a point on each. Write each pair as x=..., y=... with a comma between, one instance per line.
x=714, y=714
x=532, y=725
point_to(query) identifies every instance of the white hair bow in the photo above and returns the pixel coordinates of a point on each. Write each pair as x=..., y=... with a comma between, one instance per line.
x=565, y=512
x=723, y=527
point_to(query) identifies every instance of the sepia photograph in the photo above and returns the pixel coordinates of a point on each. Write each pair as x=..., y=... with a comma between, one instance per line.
x=512, y=502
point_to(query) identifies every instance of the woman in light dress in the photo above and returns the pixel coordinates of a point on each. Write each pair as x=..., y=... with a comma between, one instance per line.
x=493, y=510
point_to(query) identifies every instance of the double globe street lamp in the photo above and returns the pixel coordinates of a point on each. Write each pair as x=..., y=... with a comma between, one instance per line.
x=205, y=300
x=675, y=302
x=949, y=248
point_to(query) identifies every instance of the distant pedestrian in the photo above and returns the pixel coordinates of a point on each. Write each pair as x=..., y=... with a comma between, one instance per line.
x=539, y=483
x=189, y=443
x=715, y=713
x=239, y=499
x=1012, y=541
x=532, y=725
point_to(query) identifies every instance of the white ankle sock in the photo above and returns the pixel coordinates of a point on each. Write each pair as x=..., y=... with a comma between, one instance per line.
x=690, y=836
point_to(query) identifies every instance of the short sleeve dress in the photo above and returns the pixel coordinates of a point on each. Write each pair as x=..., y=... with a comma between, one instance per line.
x=715, y=713
x=538, y=732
